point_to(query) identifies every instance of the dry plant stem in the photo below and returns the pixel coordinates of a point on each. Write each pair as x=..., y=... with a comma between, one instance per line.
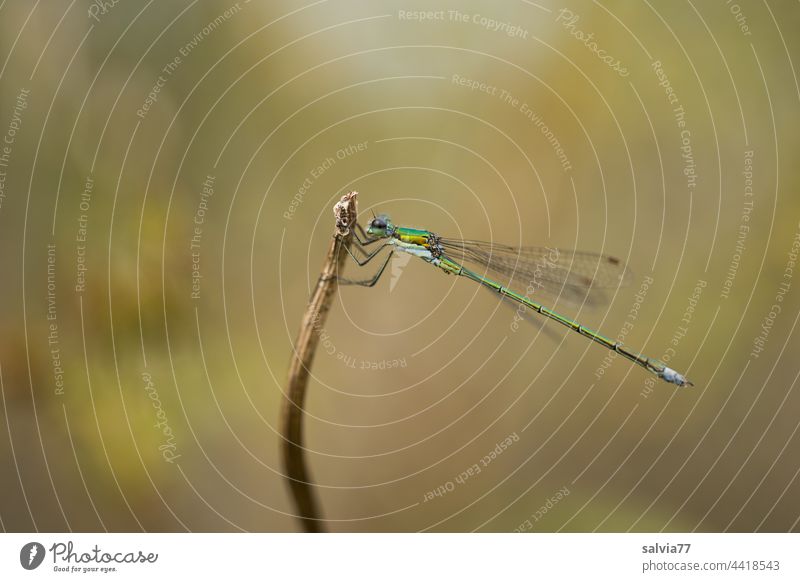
x=293, y=451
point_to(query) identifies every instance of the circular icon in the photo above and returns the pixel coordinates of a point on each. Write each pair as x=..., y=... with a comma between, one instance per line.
x=31, y=555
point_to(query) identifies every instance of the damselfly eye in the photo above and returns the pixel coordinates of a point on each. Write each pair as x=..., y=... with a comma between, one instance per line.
x=378, y=223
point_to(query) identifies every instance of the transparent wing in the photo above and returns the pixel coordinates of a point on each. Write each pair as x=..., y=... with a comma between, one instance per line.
x=578, y=277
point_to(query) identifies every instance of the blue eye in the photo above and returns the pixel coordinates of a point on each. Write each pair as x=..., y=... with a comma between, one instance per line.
x=378, y=223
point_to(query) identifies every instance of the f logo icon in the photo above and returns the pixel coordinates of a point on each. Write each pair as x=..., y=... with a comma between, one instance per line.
x=31, y=555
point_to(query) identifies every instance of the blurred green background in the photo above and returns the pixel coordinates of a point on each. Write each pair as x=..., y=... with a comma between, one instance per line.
x=163, y=145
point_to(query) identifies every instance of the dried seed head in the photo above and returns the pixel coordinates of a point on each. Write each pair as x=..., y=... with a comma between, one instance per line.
x=346, y=212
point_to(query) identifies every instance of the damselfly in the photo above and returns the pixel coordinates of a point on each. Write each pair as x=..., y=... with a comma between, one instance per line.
x=571, y=274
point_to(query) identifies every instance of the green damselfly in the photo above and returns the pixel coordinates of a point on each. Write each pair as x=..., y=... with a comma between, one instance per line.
x=571, y=274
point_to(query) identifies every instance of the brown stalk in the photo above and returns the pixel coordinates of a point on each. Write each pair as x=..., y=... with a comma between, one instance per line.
x=293, y=451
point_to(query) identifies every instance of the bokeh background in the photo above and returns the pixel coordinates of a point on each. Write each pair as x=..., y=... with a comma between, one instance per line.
x=168, y=174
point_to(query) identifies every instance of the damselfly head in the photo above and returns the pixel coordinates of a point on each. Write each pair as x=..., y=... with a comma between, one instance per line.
x=380, y=226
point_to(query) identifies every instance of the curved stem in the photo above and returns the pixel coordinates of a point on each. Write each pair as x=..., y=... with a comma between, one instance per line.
x=293, y=451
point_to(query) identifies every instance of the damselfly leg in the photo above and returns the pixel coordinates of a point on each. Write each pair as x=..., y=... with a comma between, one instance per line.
x=368, y=256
